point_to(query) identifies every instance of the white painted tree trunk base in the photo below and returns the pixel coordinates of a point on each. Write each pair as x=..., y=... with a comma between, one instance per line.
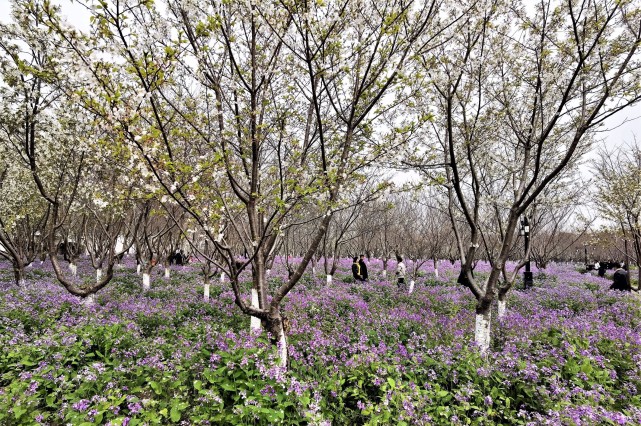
x=73, y=268
x=222, y=277
x=206, y=293
x=22, y=283
x=436, y=272
x=268, y=272
x=146, y=281
x=282, y=348
x=313, y=271
x=98, y=274
x=88, y=301
x=167, y=272
x=255, y=324
x=502, y=305
x=384, y=274
x=138, y=269
x=329, y=279
x=411, y=287
x=482, y=332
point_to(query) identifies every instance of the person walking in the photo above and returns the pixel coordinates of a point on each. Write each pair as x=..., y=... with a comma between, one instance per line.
x=356, y=269
x=363, y=268
x=400, y=272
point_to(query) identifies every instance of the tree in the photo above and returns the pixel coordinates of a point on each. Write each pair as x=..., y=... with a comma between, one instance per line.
x=618, y=194
x=520, y=92
x=45, y=131
x=260, y=108
x=23, y=214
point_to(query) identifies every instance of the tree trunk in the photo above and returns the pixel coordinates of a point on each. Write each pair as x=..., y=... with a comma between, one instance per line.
x=146, y=279
x=482, y=329
x=435, y=267
x=167, y=271
x=276, y=326
x=411, y=290
x=19, y=274
x=73, y=268
x=329, y=279
x=222, y=277
x=138, y=269
x=255, y=324
x=98, y=274
x=502, y=305
x=89, y=300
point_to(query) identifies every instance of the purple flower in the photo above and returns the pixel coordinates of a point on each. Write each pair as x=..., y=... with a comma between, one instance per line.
x=134, y=407
x=81, y=405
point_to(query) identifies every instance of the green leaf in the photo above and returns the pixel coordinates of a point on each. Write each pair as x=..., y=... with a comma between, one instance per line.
x=198, y=385
x=156, y=387
x=391, y=382
x=174, y=414
x=18, y=411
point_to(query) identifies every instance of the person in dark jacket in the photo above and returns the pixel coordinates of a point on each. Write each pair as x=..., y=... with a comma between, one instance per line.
x=356, y=269
x=620, y=280
x=363, y=268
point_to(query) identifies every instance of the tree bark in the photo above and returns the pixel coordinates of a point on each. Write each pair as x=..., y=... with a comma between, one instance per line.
x=19, y=274
x=482, y=329
x=502, y=304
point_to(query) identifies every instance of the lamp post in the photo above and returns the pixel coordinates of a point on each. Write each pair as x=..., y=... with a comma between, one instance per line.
x=525, y=232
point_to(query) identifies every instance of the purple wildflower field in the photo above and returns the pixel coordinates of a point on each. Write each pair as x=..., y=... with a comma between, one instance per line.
x=568, y=352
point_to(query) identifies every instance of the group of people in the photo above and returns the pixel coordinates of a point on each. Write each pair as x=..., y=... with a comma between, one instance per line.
x=359, y=270
x=620, y=279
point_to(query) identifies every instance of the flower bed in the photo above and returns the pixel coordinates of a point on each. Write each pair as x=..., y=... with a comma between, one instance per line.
x=567, y=352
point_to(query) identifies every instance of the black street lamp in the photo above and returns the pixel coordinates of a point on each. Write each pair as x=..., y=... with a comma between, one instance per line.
x=528, y=280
